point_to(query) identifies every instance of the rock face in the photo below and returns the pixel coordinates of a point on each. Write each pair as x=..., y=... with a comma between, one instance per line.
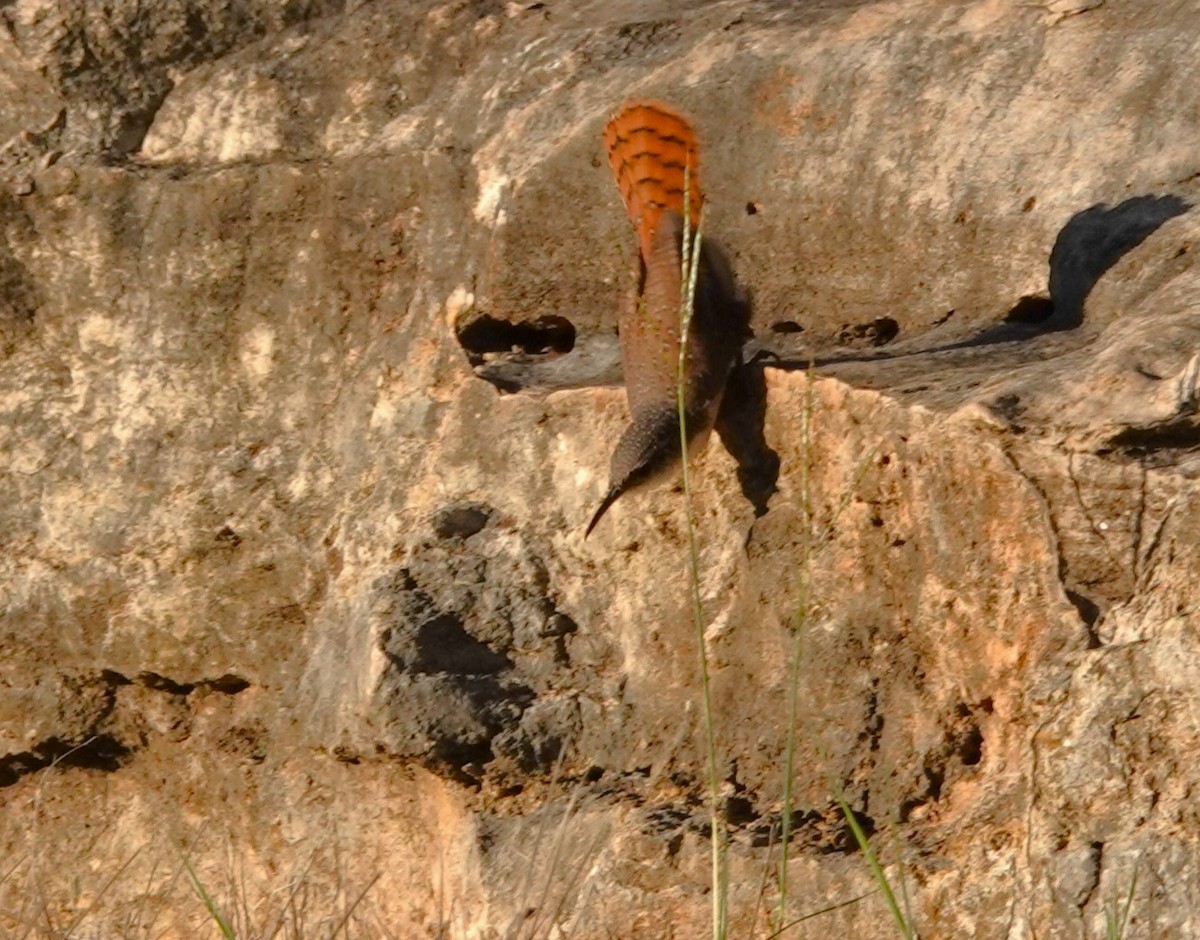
x=296, y=605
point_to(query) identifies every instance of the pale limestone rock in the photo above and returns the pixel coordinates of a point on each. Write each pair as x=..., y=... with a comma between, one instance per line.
x=288, y=588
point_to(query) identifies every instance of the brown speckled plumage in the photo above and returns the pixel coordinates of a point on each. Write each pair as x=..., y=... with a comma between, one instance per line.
x=649, y=146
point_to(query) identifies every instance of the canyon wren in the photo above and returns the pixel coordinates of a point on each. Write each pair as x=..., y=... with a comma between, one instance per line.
x=652, y=149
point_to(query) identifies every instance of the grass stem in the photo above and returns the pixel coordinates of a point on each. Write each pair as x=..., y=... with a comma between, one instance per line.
x=690, y=267
x=803, y=605
x=877, y=872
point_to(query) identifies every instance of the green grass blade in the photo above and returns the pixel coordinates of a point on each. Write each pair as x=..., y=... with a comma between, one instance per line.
x=213, y=911
x=803, y=607
x=817, y=913
x=690, y=266
x=1117, y=919
x=877, y=871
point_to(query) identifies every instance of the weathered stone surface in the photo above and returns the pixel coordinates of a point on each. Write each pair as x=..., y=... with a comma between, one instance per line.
x=289, y=591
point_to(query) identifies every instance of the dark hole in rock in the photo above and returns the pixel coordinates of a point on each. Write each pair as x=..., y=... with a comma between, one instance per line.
x=464, y=759
x=152, y=680
x=1089, y=611
x=227, y=684
x=786, y=326
x=102, y=752
x=135, y=123
x=970, y=748
x=1030, y=309
x=487, y=334
x=1008, y=407
x=443, y=645
x=739, y=811
x=559, y=624
x=15, y=766
x=935, y=777
x=461, y=521
x=751, y=209
x=885, y=329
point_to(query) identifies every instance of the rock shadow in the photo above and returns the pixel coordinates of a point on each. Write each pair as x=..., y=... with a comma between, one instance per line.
x=1091, y=242
x=741, y=420
x=741, y=426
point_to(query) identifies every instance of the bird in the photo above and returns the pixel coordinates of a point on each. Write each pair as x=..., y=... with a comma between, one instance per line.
x=653, y=151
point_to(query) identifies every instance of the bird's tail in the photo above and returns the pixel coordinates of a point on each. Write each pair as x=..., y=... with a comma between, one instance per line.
x=650, y=148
